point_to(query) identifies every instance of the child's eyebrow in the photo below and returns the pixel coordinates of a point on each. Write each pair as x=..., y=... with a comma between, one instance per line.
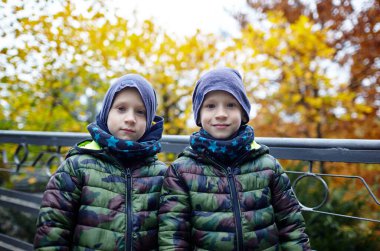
x=206, y=102
x=210, y=99
x=119, y=103
x=141, y=107
x=127, y=102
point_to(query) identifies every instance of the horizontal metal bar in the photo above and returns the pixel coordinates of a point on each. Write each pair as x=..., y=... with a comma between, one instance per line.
x=34, y=198
x=340, y=215
x=23, y=202
x=334, y=150
x=327, y=155
x=358, y=144
x=70, y=138
x=9, y=243
x=20, y=207
x=42, y=138
x=172, y=147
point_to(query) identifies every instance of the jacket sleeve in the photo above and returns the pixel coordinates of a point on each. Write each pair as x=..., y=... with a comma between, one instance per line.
x=174, y=214
x=288, y=217
x=57, y=216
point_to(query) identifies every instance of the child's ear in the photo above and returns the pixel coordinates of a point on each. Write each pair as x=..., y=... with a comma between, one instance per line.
x=244, y=119
x=198, y=122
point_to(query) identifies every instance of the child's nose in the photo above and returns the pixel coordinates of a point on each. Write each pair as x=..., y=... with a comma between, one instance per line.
x=221, y=112
x=130, y=116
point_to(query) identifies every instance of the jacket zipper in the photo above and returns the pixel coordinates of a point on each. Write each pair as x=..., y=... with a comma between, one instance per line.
x=128, y=234
x=236, y=208
x=235, y=201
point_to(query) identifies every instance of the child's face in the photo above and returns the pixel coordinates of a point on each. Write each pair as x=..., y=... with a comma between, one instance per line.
x=221, y=114
x=127, y=116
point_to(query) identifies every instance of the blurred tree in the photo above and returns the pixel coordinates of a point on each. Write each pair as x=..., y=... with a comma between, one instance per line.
x=353, y=32
x=288, y=77
x=66, y=54
x=175, y=66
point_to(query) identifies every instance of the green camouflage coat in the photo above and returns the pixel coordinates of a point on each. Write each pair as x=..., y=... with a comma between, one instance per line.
x=246, y=206
x=93, y=202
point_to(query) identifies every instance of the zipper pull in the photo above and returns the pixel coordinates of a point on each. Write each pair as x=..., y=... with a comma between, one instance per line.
x=128, y=173
x=229, y=172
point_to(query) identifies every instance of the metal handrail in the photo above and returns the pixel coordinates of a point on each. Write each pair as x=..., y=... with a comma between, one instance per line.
x=334, y=150
x=70, y=138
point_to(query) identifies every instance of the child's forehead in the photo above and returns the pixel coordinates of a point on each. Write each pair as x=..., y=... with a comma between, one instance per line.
x=128, y=93
x=127, y=89
x=217, y=94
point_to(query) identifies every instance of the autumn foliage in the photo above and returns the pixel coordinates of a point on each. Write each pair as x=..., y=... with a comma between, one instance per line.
x=311, y=71
x=350, y=29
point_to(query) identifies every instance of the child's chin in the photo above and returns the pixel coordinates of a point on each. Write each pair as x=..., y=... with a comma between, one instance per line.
x=123, y=137
x=221, y=136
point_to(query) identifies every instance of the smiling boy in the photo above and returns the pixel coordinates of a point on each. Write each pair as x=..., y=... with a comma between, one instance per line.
x=225, y=191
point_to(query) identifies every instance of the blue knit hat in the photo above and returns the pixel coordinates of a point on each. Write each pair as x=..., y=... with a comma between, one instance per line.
x=222, y=79
x=147, y=93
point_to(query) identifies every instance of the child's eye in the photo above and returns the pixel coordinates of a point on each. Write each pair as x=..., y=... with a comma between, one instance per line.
x=231, y=105
x=210, y=106
x=121, y=109
x=141, y=112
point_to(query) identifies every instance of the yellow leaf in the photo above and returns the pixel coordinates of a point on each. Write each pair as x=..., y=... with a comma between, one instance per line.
x=32, y=180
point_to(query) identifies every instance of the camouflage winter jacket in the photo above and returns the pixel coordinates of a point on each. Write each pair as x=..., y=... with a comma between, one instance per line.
x=246, y=206
x=93, y=202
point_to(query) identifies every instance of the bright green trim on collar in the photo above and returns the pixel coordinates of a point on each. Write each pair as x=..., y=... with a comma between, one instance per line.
x=255, y=145
x=92, y=145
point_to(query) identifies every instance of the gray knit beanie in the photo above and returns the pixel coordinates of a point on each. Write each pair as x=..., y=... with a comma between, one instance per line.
x=222, y=79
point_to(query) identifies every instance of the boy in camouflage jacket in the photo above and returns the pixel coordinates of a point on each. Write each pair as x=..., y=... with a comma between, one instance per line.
x=105, y=195
x=225, y=192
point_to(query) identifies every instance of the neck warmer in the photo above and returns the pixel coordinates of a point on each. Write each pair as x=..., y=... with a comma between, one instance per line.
x=223, y=151
x=147, y=146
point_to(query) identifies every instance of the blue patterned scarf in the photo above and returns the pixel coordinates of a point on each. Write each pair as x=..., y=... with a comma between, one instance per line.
x=223, y=151
x=148, y=145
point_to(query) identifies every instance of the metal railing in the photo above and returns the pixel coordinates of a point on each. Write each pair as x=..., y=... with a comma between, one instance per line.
x=303, y=149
